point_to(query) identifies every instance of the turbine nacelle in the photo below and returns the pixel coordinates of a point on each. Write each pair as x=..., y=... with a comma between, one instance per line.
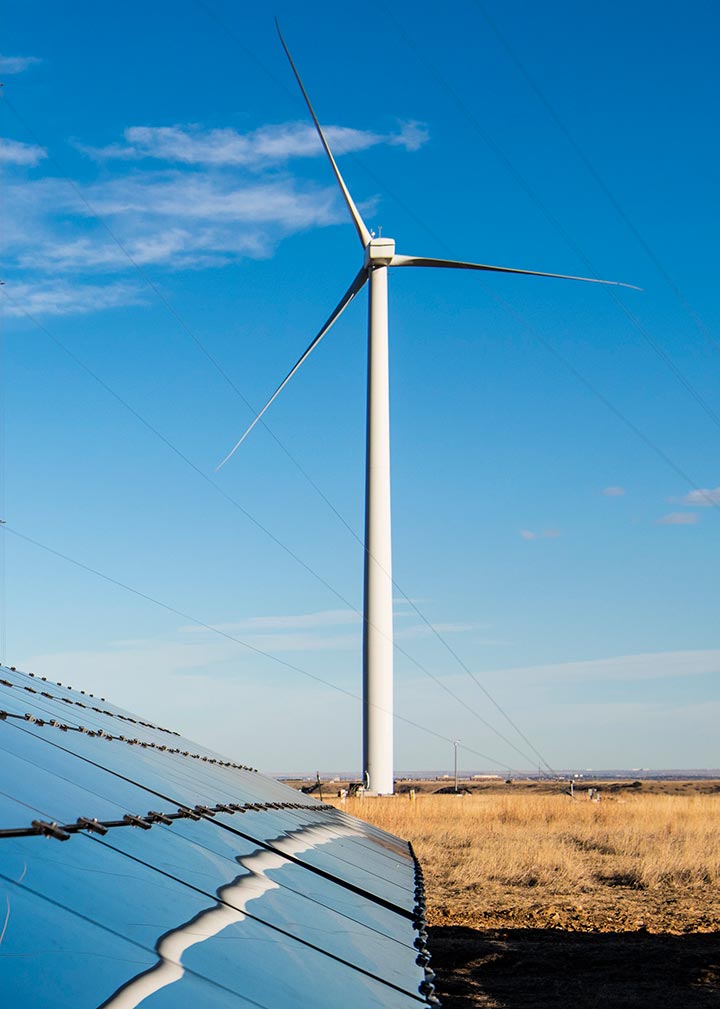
x=379, y=252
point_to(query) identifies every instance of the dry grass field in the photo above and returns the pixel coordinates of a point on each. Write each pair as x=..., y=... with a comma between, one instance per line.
x=536, y=899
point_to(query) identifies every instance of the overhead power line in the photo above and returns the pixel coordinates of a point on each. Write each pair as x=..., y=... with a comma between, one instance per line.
x=613, y=200
x=217, y=365
x=219, y=368
x=533, y=194
x=181, y=455
x=228, y=31
x=576, y=373
x=231, y=500
x=231, y=637
x=170, y=308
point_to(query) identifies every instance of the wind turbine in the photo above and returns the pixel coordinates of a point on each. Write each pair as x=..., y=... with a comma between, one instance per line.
x=379, y=256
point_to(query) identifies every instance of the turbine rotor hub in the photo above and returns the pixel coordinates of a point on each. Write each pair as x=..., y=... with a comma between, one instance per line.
x=379, y=252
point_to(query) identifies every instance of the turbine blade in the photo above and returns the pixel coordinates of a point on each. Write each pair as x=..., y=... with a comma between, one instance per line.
x=452, y=264
x=360, y=225
x=354, y=289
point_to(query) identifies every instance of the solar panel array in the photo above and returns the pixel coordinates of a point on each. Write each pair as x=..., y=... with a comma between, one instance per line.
x=137, y=868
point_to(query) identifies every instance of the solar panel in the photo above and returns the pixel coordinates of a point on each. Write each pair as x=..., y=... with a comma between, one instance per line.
x=140, y=869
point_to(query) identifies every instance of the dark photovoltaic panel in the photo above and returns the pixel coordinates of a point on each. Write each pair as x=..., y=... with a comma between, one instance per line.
x=139, y=869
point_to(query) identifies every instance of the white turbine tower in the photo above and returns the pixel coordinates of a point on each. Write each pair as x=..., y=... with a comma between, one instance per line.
x=379, y=255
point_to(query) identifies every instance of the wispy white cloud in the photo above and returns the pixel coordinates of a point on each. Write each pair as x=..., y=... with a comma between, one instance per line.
x=545, y=534
x=191, y=145
x=285, y=622
x=176, y=248
x=14, y=152
x=173, y=219
x=458, y=627
x=198, y=685
x=325, y=630
x=302, y=640
x=17, y=64
x=423, y=630
x=678, y=519
x=206, y=199
x=705, y=498
x=63, y=298
x=614, y=491
x=279, y=632
x=643, y=666
x=202, y=197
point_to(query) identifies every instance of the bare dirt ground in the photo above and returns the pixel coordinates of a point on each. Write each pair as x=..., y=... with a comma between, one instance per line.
x=556, y=969
x=536, y=899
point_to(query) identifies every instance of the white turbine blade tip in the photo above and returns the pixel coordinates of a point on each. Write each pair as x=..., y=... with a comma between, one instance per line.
x=356, y=286
x=458, y=264
x=235, y=447
x=360, y=226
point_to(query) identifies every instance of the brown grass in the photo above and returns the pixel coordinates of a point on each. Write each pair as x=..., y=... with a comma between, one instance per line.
x=542, y=860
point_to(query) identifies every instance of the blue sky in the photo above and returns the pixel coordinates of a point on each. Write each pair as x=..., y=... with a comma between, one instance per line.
x=555, y=477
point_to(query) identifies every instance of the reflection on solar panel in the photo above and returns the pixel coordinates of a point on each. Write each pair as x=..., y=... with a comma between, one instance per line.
x=138, y=869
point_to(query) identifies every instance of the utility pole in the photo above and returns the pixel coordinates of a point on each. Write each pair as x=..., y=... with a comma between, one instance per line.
x=455, y=745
